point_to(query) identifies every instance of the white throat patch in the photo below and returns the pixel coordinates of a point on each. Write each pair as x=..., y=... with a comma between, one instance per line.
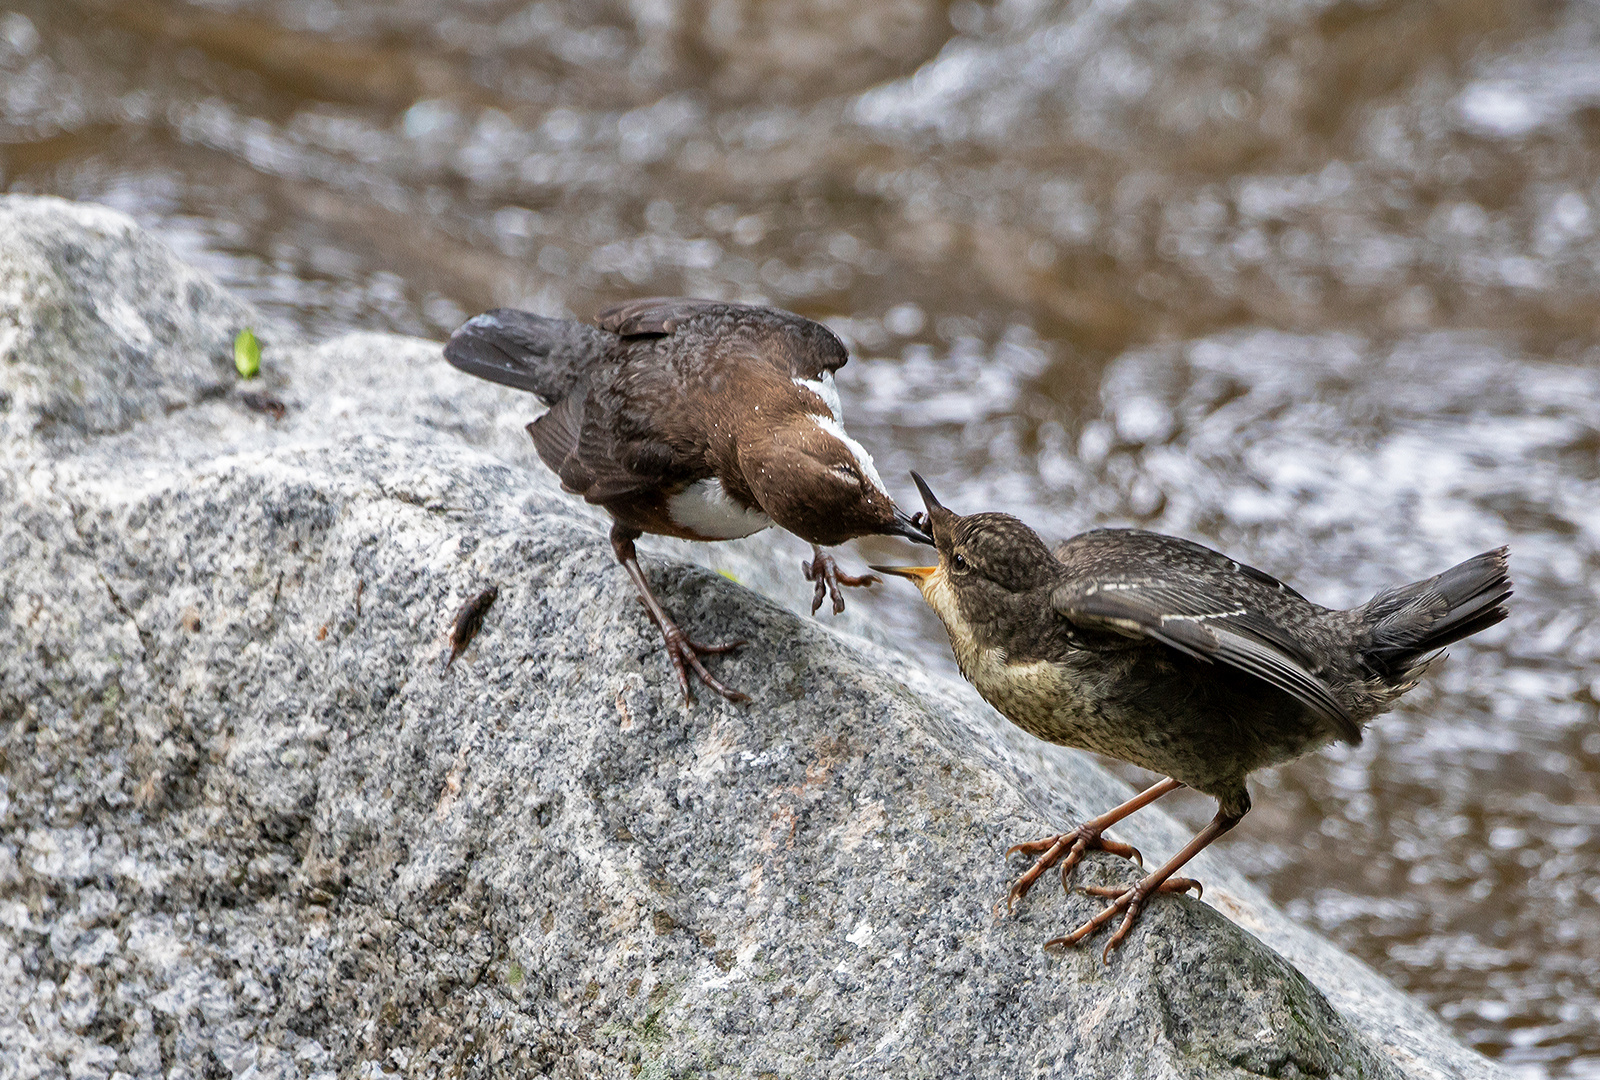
x=859, y=452
x=823, y=387
x=705, y=508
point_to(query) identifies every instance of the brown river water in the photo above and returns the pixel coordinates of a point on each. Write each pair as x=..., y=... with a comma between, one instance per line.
x=1316, y=282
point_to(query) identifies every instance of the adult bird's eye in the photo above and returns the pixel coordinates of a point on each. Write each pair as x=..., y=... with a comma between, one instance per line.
x=845, y=471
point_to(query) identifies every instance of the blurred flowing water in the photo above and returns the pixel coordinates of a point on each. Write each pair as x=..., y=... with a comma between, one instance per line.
x=1314, y=281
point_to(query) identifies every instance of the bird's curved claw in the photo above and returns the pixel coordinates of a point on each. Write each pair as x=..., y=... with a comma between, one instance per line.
x=823, y=570
x=1130, y=901
x=685, y=654
x=1068, y=849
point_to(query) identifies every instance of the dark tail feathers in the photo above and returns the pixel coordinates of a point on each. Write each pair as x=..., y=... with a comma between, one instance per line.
x=530, y=352
x=1413, y=622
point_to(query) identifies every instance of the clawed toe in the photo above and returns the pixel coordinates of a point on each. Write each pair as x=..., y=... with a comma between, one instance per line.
x=1068, y=849
x=820, y=593
x=1033, y=847
x=1126, y=851
x=714, y=650
x=823, y=570
x=1177, y=885
x=857, y=581
x=1052, y=848
x=685, y=653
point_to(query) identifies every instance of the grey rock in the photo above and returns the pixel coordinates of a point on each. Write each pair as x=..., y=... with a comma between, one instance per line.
x=100, y=327
x=250, y=824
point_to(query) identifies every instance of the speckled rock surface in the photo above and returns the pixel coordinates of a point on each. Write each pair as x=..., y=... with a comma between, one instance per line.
x=250, y=825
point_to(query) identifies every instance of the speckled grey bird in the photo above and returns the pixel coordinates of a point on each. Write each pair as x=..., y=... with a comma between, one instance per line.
x=1169, y=655
x=697, y=419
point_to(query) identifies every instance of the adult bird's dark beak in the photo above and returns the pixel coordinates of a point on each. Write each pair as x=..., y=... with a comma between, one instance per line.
x=909, y=527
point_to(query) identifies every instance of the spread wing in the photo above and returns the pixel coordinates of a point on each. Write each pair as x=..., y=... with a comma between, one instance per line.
x=800, y=348
x=1207, y=623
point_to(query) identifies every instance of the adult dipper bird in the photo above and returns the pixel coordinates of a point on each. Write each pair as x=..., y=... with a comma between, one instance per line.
x=696, y=419
x=1167, y=654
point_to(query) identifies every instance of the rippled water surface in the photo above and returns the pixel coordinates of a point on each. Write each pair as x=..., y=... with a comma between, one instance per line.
x=1315, y=282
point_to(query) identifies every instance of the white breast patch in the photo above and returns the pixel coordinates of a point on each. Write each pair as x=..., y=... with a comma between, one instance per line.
x=705, y=508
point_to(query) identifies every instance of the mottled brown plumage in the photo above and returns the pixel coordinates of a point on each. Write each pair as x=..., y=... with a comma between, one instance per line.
x=1164, y=653
x=696, y=419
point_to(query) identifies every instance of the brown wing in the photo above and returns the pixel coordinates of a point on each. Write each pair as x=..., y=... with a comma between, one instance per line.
x=1207, y=624
x=799, y=347
x=658, y=314
x=579, y=444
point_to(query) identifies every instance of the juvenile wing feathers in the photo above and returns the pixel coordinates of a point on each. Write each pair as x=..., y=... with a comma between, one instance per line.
x=1205, y=624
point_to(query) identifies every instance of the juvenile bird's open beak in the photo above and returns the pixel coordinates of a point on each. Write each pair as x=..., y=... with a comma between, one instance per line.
x=917, y=574
x=909, y=527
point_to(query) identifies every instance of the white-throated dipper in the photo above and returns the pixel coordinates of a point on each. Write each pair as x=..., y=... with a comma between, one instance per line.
x=697, y=419
x=1174, y=657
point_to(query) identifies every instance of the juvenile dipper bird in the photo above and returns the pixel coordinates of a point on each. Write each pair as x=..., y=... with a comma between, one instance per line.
x=696, y=419
x=1167, y=654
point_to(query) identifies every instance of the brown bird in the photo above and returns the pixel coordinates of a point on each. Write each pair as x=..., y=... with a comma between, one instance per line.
x=697, y=419
x=1169, y=655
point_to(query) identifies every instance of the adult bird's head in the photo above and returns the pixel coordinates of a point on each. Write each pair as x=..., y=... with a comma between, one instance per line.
x=816, y=481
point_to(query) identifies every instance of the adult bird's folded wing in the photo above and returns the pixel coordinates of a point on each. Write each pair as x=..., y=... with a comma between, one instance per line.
x=799, y=347
x=655, y=314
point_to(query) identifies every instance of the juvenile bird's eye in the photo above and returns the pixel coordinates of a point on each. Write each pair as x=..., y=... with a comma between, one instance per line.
x=960, y=563
x=846, y=471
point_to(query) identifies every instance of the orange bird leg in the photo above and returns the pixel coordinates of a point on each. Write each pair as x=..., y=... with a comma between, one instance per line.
x=1073, y=844
x=1131, y=899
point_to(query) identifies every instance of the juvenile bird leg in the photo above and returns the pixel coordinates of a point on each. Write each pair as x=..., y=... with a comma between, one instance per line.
x=683, y=651
x=1069, y=847
x=1131, y=899
x=825, y=572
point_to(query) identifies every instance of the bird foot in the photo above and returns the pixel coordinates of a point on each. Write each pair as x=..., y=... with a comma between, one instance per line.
x=1067, y=848
x=1130, y=901
x=823, y=570
x=685, y=653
